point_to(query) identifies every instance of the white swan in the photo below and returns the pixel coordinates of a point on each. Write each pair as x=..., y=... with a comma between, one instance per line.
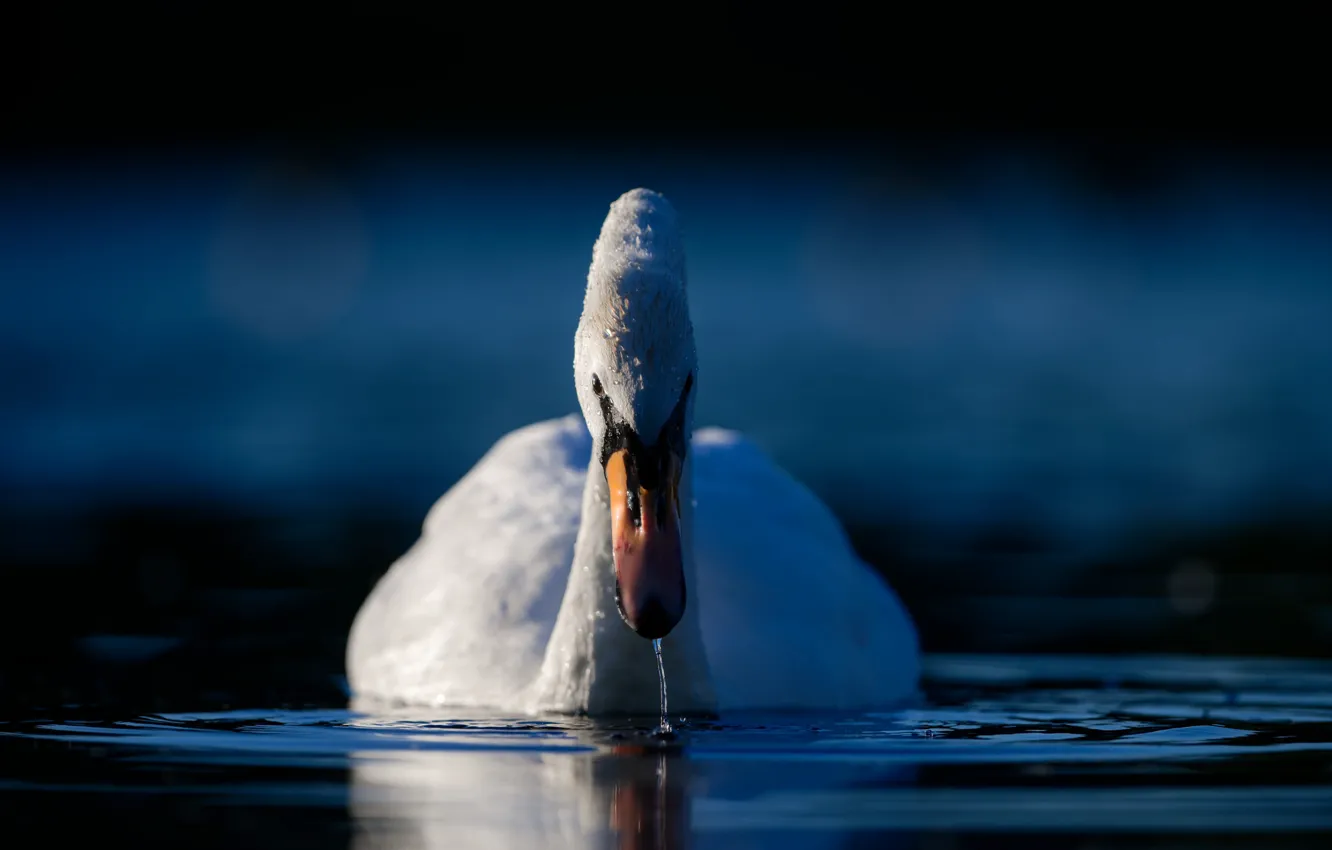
x=509, y=598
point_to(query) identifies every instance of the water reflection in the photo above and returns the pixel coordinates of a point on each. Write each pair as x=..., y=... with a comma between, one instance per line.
x=1008, y=751
x=631, y=797
x=649, y=806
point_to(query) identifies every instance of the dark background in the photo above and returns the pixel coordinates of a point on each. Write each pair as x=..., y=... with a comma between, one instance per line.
x=1037, y=307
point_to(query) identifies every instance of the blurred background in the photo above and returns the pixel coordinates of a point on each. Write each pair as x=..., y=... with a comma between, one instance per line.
x=1064, y=382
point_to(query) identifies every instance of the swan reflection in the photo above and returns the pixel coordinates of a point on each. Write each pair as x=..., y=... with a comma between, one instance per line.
x=493, y=780
x=622, y=797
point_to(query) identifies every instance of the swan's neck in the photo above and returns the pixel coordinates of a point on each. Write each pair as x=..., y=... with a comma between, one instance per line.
x=594, y=663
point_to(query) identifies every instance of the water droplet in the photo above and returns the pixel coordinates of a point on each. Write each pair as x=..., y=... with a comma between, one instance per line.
x=608, y=333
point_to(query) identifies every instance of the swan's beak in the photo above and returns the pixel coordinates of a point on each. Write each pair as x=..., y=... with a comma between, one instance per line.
x=645, y=537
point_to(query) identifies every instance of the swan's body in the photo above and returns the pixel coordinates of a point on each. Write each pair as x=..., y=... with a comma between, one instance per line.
x=509, y=598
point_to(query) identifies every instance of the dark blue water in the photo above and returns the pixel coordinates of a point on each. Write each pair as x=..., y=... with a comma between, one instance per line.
x=1029, y=382
x=1005, y=751
x=1001, y=339
x=1055, y=414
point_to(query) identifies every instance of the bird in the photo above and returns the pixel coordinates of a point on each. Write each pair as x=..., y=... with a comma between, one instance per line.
x=541, y=579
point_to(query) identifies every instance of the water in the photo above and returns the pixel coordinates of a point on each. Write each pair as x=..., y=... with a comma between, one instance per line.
x=665, y=727
x=1063, y=419
x=1093, y=362
x=1006, y=751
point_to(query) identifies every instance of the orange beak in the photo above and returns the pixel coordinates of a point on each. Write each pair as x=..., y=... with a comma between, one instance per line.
x=645, y=540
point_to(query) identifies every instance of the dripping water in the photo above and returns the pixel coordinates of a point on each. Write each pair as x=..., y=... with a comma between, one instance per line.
x=665, y=728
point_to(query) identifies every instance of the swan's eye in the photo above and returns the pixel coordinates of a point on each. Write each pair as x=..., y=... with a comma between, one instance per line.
x=596, y=386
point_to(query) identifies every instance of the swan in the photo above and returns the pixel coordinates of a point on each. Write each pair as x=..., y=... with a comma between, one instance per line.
x=540, y=576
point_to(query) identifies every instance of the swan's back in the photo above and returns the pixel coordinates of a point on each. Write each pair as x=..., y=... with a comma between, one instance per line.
x=464, y=616
x=791, y=617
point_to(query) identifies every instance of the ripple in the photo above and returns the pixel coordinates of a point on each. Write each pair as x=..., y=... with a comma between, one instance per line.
x=1033, y=748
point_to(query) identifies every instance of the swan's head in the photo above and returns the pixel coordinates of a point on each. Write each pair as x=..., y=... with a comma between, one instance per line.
x=635, y=368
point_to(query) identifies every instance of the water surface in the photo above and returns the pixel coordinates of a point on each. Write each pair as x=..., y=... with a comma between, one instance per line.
x=1004, y=751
